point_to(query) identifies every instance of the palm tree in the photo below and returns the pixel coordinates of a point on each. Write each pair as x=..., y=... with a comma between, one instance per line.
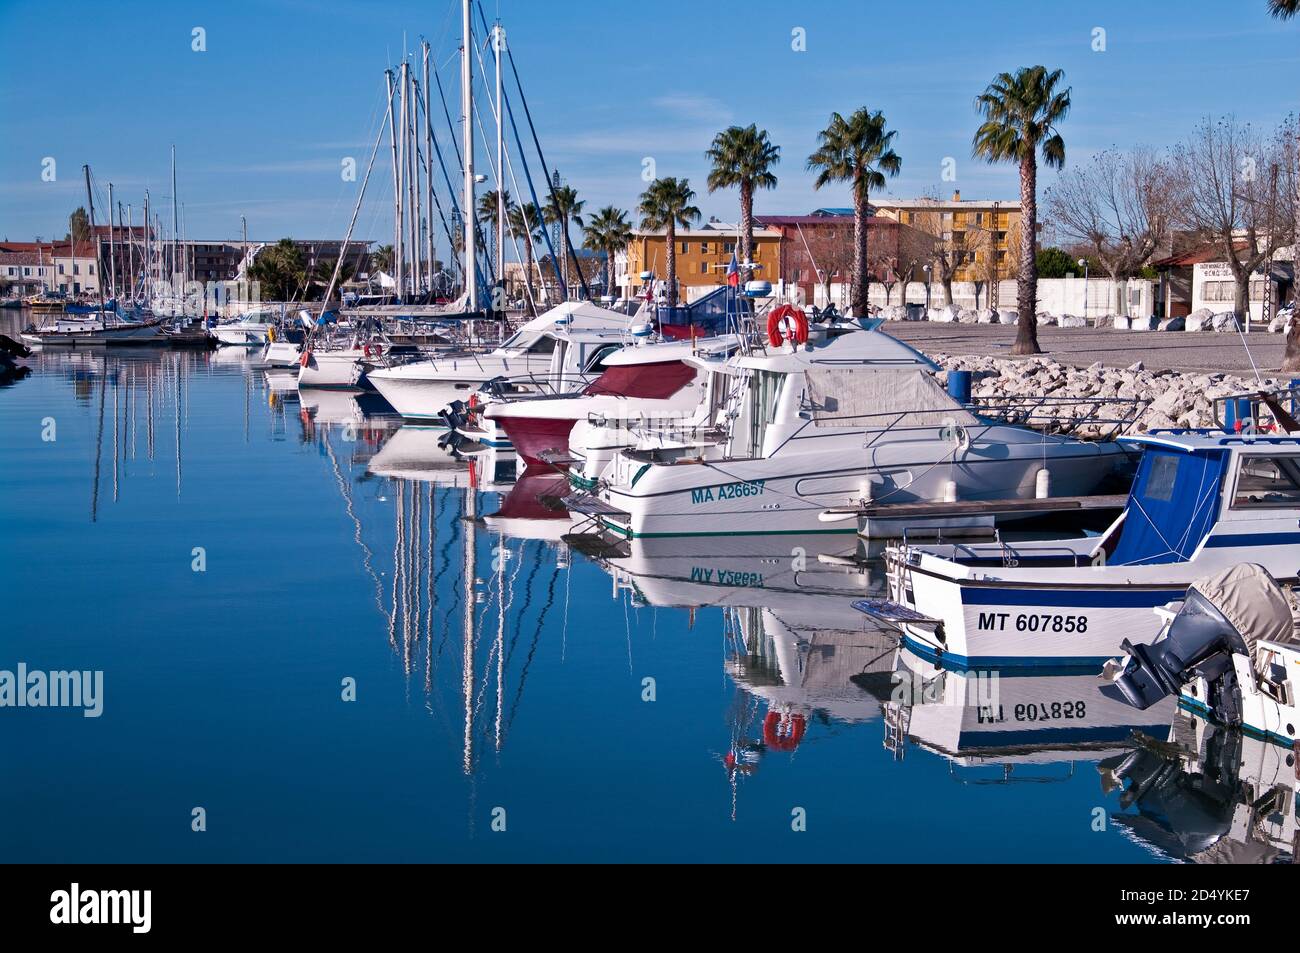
x=1284, y=9
x=667, y=204
x=608, y=231
x=487, y=217
x=563, y=208
x=742, y=156
x=525, y=222
x=858, y=150
x=1020, y=116
x=381, y=259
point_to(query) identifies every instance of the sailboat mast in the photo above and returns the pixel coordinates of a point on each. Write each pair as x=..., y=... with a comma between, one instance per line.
x=402, y=147
x=112, y=246
x=412, y=182
x=99, y=266
x=395, y=258
x=428, y=168
x=467, y=112
x=499, y=42
x=176, y=227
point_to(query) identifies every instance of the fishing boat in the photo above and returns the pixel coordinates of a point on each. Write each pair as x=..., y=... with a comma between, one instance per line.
x=1228, y=651
x=641, y=389
x=421, y=390
x=839, y=416
x=1201, y=502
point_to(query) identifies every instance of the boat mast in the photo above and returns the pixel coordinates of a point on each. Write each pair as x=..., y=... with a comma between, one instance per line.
x=99, y=274
x=467, y=111
x=396, y=257
x=412, y=181
x=499, y=42
x=428, y=168
x=148, y=254
x=176, y=228
x=112, y=246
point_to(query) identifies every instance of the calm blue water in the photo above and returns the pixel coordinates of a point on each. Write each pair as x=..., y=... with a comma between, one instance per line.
x=336, y=548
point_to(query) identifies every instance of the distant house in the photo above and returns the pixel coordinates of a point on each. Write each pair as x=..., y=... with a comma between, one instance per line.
x=1201, y=278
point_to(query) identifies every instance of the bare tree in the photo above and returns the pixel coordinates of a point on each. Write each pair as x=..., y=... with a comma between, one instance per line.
x=1118, y=206
x=1236, y=188
x=915, y=248
x=831, y=251
x=949, y=247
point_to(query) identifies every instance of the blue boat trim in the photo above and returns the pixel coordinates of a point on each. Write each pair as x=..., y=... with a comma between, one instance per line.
x=1102, y=598
x=1056, y=735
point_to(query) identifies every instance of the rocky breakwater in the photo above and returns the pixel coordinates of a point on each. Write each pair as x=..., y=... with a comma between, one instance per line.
x=1080, y=399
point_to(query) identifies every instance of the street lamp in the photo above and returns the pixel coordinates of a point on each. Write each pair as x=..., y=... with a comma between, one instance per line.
x=1083, y=263
x=926, y=269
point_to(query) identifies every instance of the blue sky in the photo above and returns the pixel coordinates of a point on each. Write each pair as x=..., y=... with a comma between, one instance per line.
x=287, y=88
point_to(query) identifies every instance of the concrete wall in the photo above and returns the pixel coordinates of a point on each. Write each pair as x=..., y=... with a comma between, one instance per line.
x=1055, y=296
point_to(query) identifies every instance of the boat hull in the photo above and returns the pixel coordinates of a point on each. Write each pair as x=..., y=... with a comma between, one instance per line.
x=531, y=436
x=336, y=370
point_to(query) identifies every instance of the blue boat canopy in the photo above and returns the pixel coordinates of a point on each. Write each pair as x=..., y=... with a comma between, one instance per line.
x=1172, y=506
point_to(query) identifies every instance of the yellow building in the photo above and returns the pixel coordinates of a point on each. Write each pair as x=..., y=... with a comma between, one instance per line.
x=985, y=234
x=703, y=255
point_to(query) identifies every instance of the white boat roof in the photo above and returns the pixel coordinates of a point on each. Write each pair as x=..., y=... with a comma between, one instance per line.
x=654, y=352
x=850, y=348
x=579, y=314
x=1193, y=441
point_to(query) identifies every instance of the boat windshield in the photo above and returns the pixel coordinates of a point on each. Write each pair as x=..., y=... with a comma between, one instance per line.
x=653, y=381
x=1172, y=507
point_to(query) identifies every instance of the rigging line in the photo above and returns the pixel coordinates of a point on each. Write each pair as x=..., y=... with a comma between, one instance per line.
x=420, y=101
x=532, y=651
x=523, y=101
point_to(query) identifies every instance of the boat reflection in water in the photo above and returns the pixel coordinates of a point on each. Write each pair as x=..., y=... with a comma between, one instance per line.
x=1009, y=720
x=1209, y=795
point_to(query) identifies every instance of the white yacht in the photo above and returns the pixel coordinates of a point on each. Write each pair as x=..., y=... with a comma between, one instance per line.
x=642, y=389
x=851, y=417
x=421, y=390
x=248, y=330
x=96, y=327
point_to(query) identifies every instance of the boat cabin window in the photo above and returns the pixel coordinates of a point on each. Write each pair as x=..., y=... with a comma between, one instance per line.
x=596, y=362
x=1267, y=481
x=543, y=345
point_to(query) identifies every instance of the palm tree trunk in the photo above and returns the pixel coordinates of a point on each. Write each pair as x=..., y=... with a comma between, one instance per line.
x=859, y=299
x=1027, y=280
x=746, y=228
x=671, y=259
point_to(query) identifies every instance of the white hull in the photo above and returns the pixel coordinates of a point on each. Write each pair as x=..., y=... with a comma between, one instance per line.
x=240, y=335
x=72, y=333
x=338, y=370
x=787, y=494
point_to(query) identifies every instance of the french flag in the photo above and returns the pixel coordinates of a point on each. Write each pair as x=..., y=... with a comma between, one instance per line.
x=733, y=272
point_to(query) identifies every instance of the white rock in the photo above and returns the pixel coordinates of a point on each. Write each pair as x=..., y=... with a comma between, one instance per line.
x=1141, y=324
x=1045, y=319
x=986, y=316
x=944, y=315
x=1120, y=323
x=966, y=316
x=1173, y=324
x=1198, y=320
x=1072, y=321
x=1008, y=317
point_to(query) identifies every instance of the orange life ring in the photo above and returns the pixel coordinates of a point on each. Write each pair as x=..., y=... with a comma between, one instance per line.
x=373, y=350
x=783, y=732
x=305, y=359
x=798, y=329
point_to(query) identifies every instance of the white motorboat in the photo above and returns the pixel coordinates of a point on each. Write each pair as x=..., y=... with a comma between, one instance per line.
x=854, y=415
x=247, y=330
x=1201, y=502
x=97, y=327
x=421, y=390
x=419, y=453
x=642, y=389
x=342, y=367
x=282, y=353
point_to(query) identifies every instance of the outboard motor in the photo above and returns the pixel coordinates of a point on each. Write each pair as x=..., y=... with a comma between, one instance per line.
x=1222, y=615
x=454, y=414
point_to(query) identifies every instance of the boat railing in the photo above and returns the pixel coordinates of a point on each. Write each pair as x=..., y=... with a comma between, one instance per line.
x=1253, y=410
x=1093, y=418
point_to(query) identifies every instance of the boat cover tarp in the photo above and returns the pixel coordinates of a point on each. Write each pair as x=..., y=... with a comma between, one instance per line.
x=1171, y=508
x=1250, y=598
x=871, y=397
x=654, y=381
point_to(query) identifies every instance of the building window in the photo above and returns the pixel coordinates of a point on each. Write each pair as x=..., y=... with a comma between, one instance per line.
x=76, y=269
x=979, y=219
x=60, y=269
x=27, y=271
x=728, y=247
x=686, y=247
x=90, y=269
x=704, y=248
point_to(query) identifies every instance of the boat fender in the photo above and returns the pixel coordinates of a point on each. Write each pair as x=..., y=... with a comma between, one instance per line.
x=1043, y=484
x=783, y=732
x=798, y=325
x=305, y=359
